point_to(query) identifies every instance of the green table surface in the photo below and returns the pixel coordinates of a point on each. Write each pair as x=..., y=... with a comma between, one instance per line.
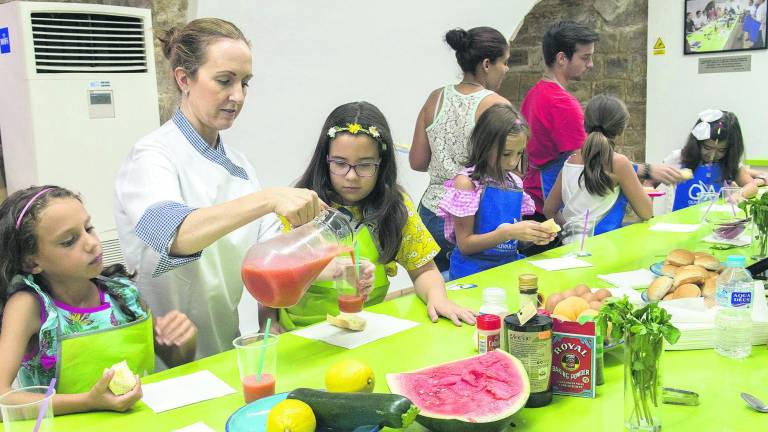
x=302, y=362
x=712, y=37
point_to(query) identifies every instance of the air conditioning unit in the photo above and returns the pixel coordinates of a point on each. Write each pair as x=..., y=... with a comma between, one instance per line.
x=78, y=88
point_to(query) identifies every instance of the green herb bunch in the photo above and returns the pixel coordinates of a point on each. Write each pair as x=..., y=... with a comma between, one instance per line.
x=642, y=330
x=757, y=209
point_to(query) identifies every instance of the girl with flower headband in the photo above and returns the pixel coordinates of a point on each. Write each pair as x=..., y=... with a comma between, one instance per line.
x=484, y=204
x=66, y=317
x=353, y=168
x=593, y=189
x=713, y=153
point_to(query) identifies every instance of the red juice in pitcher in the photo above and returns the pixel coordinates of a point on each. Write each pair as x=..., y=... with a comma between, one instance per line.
x=280, y=280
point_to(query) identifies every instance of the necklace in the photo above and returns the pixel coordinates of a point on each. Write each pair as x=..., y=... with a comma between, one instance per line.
x=472, y=83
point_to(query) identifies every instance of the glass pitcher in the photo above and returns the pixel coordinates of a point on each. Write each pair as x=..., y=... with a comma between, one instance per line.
x=279, y=271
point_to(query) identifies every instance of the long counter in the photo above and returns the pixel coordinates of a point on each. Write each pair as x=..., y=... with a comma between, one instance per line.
x=302, y=362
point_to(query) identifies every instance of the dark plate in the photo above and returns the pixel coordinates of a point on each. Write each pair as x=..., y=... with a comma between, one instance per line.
x=253, y=417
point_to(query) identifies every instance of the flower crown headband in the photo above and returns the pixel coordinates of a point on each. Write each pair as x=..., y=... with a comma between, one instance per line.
x=356, y=128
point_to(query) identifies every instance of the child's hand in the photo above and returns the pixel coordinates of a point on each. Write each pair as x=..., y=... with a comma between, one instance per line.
x=365, y=283
x=667, y=174
x=442, y=306
x=100, y=398
x=529, y=231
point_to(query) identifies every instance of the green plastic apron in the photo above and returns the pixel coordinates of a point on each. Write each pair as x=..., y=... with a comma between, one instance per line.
x=321, y=298
x=86, y=355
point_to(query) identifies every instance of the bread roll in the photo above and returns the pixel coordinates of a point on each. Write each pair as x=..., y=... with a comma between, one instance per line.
x=670, y=296
x=669, y=269
x=702, y=271
x=680, y=257
x=709, y=288
x=688, y=276
x=551, y=226
x=687, y=290
x=659, y=288
x=708, y=262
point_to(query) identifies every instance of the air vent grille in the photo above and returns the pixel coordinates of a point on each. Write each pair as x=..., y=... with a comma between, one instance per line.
x=88, y=42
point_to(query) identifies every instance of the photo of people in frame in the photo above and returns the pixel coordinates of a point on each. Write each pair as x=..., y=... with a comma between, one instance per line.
x=724, y=25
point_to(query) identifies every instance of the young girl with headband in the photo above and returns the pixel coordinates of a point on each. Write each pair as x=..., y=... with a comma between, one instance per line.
x=66, y=317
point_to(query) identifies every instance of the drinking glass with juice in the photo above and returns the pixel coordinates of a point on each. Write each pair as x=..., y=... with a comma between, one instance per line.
x=257, y=376
x=347, y=282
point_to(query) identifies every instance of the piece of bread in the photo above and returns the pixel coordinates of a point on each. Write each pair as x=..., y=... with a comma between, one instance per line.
x=669, y=296
x=709, y=288
x=687, y=290
x=551, y=226
x=702, y=271
x=686, y=174
x=688, y=276
x=347, y=321
x=123, y=380
x=707, y=261
x=680, y=257
x=659, y=288
x=669, y=269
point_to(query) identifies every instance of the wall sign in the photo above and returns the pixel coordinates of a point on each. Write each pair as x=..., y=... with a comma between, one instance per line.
x=5, y=41
x=741, y=63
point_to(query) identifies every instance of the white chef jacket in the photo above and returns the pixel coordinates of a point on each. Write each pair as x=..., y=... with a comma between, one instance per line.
x=166, y=175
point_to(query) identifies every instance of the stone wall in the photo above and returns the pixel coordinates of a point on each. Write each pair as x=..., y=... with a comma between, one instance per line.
x=620, y=58
x=165, y=14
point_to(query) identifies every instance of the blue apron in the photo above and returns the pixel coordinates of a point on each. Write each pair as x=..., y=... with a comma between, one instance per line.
x=613, y=219
x=497, y=206
x=706, y=178
x=550, y=171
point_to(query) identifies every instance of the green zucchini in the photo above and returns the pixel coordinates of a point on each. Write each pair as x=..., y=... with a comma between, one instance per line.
x=347, y=411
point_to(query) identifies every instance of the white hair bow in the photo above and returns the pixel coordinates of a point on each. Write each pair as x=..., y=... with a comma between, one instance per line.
x=703, y=130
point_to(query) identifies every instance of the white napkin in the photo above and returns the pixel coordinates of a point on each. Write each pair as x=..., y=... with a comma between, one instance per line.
x=196, y=427
x=738, y=241
x=184, y=390
x=640, y=278
x=633, y=296
x=378, y=326
x=553, y=264
x=673, y=227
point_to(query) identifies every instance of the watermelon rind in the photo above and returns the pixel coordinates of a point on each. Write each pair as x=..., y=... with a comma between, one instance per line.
x=446, y=423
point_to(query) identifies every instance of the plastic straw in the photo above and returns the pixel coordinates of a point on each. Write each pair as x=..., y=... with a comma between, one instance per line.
x=263, y=349
x=357, y=263
x=584, y=232
x=44, y=405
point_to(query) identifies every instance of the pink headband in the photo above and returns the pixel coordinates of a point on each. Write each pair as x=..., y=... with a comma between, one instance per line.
x=29, y=204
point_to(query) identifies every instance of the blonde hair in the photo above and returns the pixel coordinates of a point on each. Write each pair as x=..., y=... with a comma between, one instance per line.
x=185, y=47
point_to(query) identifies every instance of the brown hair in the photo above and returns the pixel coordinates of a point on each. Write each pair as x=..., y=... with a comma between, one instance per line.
x=186, y=47
x=604, y=119
x=489, y=138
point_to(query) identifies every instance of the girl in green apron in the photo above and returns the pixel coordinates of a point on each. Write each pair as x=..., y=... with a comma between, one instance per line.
x=65, y=316
x=353, y=168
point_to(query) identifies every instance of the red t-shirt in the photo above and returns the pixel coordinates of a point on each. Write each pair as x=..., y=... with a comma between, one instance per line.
x=557, y=126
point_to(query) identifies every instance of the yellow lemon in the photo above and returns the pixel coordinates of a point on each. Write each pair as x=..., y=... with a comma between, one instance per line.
x=291, y=415
x=350, y=376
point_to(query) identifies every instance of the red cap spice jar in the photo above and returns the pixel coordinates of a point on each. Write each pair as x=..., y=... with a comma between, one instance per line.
x=488, y=332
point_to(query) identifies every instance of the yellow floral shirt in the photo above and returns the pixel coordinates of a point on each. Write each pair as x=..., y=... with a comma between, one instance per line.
x=417, y=247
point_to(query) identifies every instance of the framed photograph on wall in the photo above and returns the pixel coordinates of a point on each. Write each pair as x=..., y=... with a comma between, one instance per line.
x=712, y=26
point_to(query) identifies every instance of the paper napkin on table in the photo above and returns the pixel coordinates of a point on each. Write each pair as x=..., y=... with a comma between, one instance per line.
x=673, y=227
x=565, y=263
x=696, y=321
x=196, y=427
x=640, y=278
x=184, y=390
x=378, y=326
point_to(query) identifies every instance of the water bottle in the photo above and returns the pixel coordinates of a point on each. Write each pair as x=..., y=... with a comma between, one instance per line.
x=733, y=320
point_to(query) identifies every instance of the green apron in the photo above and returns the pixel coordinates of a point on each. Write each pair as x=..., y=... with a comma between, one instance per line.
x=321, y=298
x=86, y=355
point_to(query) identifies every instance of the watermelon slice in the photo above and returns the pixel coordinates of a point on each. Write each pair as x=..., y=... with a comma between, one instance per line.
x=478, y=394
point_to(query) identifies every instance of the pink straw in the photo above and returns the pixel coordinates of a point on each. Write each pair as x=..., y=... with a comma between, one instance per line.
x=44, y=405
x=584, y=232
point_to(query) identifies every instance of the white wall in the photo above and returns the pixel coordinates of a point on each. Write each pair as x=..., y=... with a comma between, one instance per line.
x=677, y=92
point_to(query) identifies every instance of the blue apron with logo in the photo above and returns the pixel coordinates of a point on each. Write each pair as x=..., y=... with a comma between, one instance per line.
x=706, y=178
x=497, y=206
x=550, y=171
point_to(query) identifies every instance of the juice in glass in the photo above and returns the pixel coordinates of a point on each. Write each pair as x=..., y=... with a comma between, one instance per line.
x=254, y=389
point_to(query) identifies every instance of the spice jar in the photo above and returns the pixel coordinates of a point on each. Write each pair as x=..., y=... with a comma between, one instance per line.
x=488, y=333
